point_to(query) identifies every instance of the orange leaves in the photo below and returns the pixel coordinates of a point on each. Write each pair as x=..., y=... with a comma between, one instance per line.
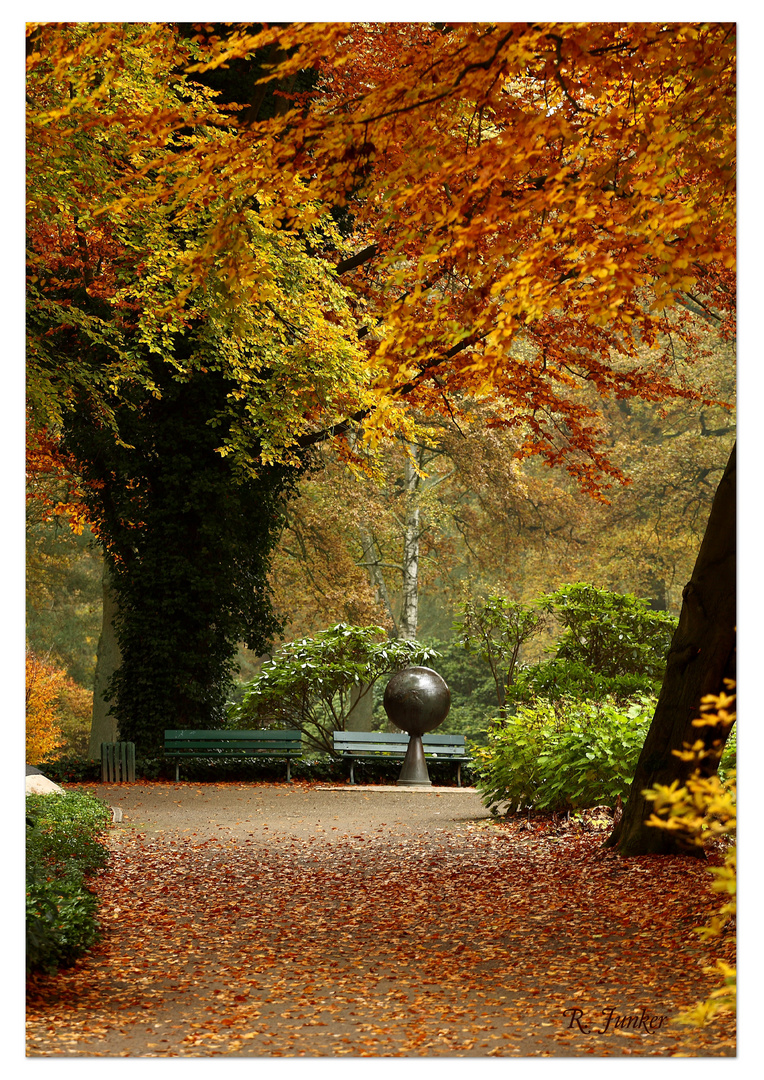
x=53, y=487
x=43, y=683
x=580, y=172
x=505, y=175
x=460, y=939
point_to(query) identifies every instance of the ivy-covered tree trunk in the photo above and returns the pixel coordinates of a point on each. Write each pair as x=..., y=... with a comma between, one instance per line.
x=188, y=542
x=108, y=658
x=701, y=657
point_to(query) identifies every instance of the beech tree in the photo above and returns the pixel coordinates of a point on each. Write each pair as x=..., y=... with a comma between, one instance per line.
x=514, y=210
x=562, y=187
x=175, y=421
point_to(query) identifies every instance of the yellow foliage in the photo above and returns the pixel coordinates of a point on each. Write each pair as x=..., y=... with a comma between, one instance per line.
x=43, y=683
x=706, y=809
x=75, y=716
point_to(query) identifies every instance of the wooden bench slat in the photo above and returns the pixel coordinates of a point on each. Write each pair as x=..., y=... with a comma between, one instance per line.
x=390, y=745
x=238, y=744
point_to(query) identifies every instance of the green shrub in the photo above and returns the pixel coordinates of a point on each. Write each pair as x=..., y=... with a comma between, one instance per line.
x=611, y=645
x=562, y=678
x=495, y=630
x=567, y=754
x=311, y=684
x=563, y=755
x=61, y=922
x=63, y=847
x=612, y=633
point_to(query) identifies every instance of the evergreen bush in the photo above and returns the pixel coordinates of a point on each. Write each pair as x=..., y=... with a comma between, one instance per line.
x=63, y=848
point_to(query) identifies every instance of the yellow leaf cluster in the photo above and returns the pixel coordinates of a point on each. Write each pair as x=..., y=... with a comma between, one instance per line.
x=703, y=809
x=43, y=683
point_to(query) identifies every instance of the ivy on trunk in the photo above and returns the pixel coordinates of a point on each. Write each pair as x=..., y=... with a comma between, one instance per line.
x=187, y=542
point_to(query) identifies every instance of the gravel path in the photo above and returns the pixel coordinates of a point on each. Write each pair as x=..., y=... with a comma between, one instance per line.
x=260, y=811
x=275, y=920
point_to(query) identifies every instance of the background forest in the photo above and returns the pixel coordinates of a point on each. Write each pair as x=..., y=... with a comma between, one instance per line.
x=311, y=344
x=485, y=525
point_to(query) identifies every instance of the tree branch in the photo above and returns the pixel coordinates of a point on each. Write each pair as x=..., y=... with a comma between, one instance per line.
x=358, y=259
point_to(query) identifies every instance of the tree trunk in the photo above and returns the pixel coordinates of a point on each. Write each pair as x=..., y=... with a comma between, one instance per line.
x=372, y=563
x=361, y=708
x=701, y=657
x=410, y=566
x=108, y=659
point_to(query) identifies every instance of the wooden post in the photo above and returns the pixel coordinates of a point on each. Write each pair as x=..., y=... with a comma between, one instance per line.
x=117, y=762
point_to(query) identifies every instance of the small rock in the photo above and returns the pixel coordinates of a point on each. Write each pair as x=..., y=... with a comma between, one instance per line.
x=37, y=784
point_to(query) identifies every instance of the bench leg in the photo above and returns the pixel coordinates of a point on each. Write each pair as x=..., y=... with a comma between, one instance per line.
x=459, y=774
x=177, y=771
x=289, y=770
x=352, y=777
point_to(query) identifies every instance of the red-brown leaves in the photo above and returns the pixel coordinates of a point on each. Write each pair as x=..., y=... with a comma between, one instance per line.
x=474, y=939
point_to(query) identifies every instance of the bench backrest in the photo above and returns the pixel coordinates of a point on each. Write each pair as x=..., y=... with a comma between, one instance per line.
x=377, y=742
x=277, y=741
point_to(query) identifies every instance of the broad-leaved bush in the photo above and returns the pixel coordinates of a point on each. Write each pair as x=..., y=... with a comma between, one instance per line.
x=612, y=645
x=562, y=755
x=315, y=684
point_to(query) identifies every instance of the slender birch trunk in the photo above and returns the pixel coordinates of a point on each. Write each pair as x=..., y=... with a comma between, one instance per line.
x=410, y=564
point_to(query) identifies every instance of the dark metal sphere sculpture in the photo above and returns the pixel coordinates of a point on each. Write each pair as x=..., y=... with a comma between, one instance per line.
x=416, y=700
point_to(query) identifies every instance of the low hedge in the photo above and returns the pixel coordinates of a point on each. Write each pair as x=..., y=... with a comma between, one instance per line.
x=64, y=847
x=73, y=769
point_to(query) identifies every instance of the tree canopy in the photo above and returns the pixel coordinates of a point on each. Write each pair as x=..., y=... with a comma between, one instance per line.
x=523, y=208
x=539, y=215
x=531, y=203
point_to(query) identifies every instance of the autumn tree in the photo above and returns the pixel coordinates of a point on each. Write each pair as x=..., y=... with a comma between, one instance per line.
x=524, y=209
x=43, y=684
x=565, y=188
x=180, y=422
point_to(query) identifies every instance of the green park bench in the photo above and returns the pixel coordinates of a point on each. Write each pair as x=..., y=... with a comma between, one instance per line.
x=370, y=745
x=276, y=743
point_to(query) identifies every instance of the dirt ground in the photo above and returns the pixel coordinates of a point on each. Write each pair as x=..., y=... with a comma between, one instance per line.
x=304, y=920
x=262, y=811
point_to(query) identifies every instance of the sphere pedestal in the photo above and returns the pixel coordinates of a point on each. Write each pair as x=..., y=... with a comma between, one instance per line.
x=414, y=769
x=416, y=700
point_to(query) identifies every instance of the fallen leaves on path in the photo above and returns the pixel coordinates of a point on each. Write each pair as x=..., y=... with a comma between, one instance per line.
x=464, y=941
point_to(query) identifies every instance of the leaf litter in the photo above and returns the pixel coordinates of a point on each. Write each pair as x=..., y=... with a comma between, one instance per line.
x=511, y=938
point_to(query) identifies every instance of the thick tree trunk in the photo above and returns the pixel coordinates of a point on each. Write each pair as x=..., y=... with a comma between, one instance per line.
x=701, y=657
x=361, y=708
x=108, y=659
